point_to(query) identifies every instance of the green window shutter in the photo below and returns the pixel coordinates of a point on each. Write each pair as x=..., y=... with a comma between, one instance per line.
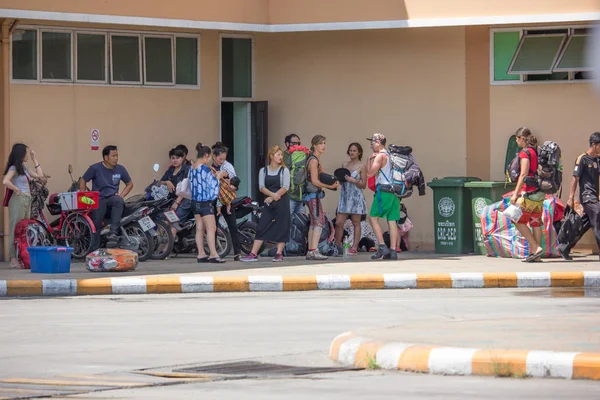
x=537, y=54
x=505, y=45
x=573, y=57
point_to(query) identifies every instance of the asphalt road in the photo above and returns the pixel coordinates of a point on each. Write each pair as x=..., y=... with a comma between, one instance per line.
x=90, y=346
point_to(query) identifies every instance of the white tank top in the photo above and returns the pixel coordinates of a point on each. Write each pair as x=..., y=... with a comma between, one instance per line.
x=387, y=170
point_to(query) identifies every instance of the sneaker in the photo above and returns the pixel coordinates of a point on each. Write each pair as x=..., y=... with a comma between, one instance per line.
x=317, y=256
x=382, y=252
x=249, y=258
x=310, y=255
x=278, y=258
x=237, y=257
x=392, y=256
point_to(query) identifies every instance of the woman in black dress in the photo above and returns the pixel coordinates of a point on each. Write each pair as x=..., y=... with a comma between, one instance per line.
x=275, y=220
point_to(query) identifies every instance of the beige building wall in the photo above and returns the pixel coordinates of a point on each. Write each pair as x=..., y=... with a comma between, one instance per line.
x=407, y=84
x=145, y=123
x=564, y=113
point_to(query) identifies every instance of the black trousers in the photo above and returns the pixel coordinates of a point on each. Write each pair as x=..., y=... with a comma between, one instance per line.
x=116, y=206
x=231, y=221
x=592, y=210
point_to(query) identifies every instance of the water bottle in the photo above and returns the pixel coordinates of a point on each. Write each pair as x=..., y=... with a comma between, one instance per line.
x=347, y=250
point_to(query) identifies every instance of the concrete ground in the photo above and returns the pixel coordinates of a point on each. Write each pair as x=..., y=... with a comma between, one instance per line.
x=411, y=262
x=79, y=345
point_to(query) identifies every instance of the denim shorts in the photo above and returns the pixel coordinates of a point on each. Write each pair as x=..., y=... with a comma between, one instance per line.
x=184, y=210
x=203, y=208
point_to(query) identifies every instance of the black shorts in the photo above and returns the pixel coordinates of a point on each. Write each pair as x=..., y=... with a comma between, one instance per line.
x=203, y=208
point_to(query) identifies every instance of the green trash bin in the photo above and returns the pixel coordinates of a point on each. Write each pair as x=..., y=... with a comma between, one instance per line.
x=483, y=194
x=452, y=216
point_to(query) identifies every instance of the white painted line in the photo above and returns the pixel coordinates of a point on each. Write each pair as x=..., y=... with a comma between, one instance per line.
x=3, y=289
x=348, y=350
x=534, y=279
x=549, y=364
x=591, y=278
x=389, y=354
x=467, y=280
x=59, y=287
x=128, y=285
x=451, y=361
x=400, y=281
x=333, y=282
x=196, y=284
x=266, y=283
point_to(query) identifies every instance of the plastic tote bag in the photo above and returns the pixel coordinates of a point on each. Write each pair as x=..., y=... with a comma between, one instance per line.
x=184, y=189
x=514, y=213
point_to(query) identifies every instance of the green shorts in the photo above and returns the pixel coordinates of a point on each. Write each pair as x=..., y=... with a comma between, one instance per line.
x=390, y=206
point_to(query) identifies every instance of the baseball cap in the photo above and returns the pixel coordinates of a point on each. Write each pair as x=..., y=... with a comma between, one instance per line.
x=377, y=137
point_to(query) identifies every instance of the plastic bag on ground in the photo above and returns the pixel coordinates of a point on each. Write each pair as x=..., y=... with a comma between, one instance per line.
x=111, y=260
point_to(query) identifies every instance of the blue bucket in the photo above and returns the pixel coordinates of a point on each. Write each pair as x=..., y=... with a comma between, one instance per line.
x=50, y=259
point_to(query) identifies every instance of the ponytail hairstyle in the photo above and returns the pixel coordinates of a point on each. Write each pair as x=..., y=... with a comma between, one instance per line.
x=316, y=140
x=202, y=150
x=526, y=134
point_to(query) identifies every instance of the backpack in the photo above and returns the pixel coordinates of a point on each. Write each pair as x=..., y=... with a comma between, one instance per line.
x=401, y=160
x=549, y=171
x=514, y=170
x=297, y=245
x=28, y=233
x=298, y=174
x=327, y=244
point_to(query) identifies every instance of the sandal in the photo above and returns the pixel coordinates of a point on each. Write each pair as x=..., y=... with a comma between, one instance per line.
x=203, y=259
x=533, y=257
x=217, y=260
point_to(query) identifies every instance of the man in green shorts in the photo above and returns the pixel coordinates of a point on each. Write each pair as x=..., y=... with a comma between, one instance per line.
x=385, y=205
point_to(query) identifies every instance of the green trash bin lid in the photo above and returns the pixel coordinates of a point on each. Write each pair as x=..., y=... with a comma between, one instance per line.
x=488, y=184
x=451, y=181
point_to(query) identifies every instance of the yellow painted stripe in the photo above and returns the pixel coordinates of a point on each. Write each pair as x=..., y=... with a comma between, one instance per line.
x=297, y=283
x=62, y=382
x=374, y=281
x=507, y=279
x=23, y=288
x=415, y=359
x=231, y=284
x=499, y=362
x=334, y=351
x=586, y=366
x=490, y=279
x=163, y=284
x=567, y=279
x=434, y=281
x=94, y=286
x=366, y=351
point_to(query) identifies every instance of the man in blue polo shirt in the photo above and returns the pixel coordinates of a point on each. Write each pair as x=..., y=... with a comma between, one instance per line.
x=106, y=176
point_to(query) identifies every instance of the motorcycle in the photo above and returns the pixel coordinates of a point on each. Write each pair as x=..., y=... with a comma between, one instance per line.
x=186, y=238
x=243, y=206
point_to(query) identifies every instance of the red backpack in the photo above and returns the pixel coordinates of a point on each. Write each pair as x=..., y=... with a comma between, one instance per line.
x=21, y=242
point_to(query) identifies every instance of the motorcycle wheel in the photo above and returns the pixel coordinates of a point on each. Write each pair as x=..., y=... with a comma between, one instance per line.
x=224, y=243
x=247, y=232
x=146, y=241
x=163, y=241
x=78, y=234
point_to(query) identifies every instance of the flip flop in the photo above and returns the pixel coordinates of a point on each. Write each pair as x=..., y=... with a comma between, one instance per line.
x=203, y=260
x=533, y=257
x=217, y=260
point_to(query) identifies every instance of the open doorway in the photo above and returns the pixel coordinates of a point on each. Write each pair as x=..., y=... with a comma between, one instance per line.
x=244, y=132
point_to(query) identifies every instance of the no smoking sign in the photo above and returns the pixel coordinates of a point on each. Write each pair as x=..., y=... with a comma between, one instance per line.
x=95, y=136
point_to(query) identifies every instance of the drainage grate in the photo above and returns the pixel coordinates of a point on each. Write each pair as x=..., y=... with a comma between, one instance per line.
x=254, y=368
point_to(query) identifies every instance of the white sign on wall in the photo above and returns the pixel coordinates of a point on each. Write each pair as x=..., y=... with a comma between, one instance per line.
x=95, y=136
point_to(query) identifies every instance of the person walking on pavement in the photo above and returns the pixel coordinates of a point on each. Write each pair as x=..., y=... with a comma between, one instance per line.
x=16, y=179
x=205, y=190
x=528, y=196
x=386, y=206
x=314, y=193
x=586, y=175
x=292, y=143
x=275, y=220
x=352, y=202
x=106, y=176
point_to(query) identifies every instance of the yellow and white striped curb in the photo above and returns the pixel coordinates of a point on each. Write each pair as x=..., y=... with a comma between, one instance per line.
x=278, y=283
x=351, y=350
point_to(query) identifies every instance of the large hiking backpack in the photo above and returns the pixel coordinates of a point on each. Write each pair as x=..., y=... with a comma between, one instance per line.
x=549, y=167
x=298, y=174
x=401, y=160
x=297, y=245
x=327, y=244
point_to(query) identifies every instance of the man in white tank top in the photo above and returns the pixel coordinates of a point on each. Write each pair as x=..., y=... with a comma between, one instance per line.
x=385, y=206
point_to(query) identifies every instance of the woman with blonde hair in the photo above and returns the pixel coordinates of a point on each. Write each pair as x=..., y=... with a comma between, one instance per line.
x=314, y=193
x=275, y=220
x=528, y=196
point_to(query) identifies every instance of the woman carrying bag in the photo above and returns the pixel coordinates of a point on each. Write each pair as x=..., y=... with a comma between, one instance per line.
x=18, y=193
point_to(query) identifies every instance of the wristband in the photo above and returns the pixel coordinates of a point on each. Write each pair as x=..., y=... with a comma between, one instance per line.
x=37, y=166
